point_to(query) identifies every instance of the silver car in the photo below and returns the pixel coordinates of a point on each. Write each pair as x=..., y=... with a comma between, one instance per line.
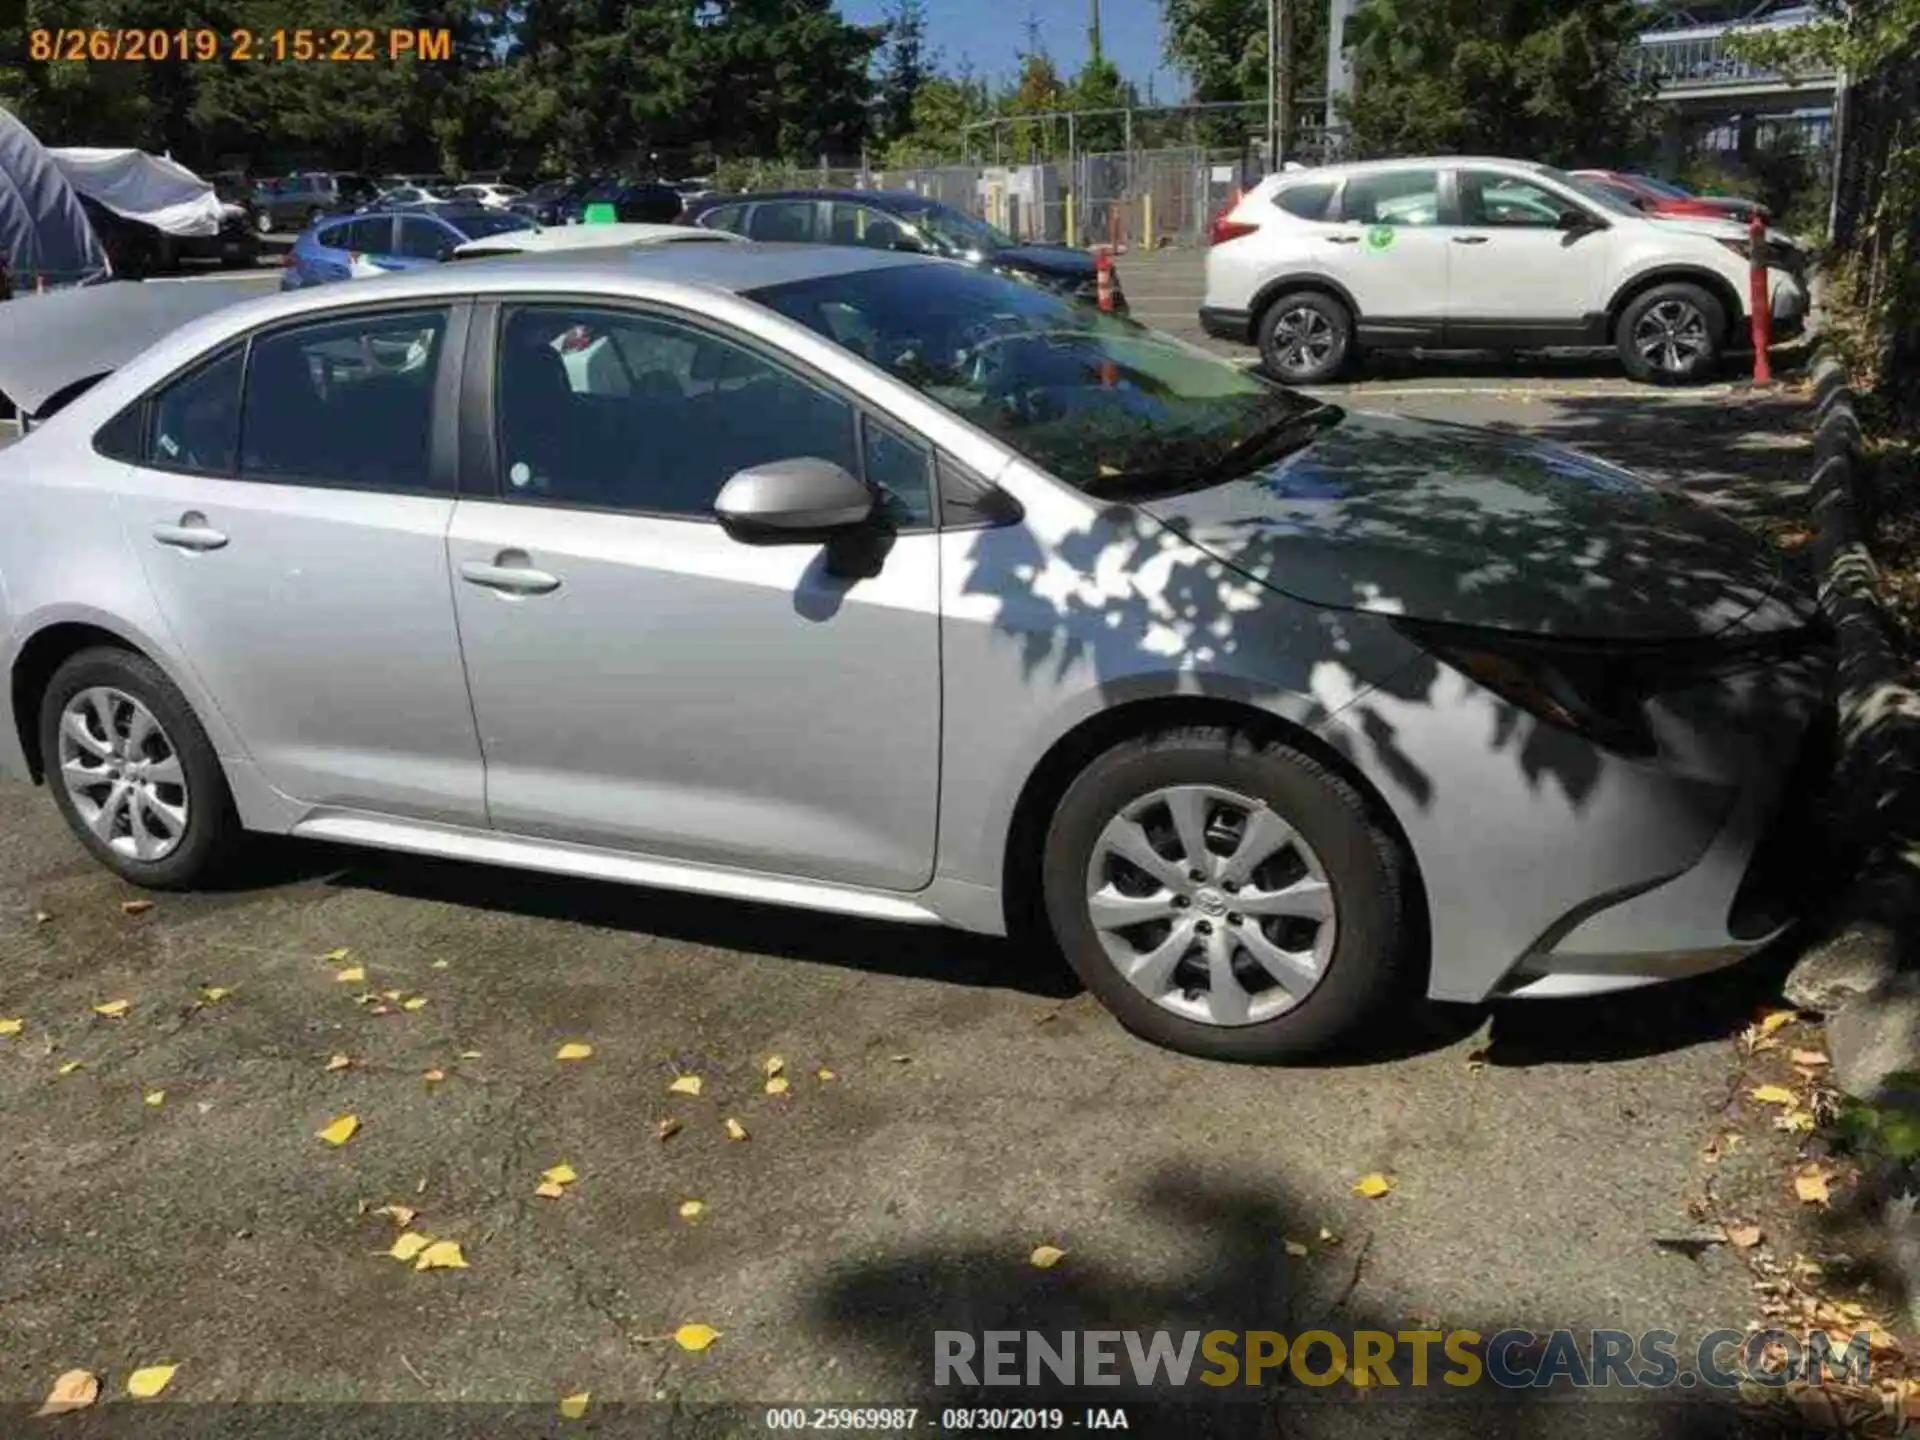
x=886, y=586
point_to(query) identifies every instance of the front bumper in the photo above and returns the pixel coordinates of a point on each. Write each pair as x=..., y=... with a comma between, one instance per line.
x=1224, y=324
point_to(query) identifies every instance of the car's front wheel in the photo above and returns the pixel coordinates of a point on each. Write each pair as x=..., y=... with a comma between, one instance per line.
x=133, y=772
x=263, y=222
x=1305, y=338
x=1223, y=897
x=1671, y=334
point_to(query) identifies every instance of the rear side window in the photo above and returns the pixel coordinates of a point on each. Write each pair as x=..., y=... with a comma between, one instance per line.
x=1394, y=197
x=196, y=419
x=423, y=240
x=335, y=237
x=344, y=402
x=1309, y=201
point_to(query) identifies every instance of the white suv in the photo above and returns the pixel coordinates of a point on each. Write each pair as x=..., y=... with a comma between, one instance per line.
x=1461, y=253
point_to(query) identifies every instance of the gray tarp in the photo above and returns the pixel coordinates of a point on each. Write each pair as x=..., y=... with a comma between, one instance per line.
x=44, y=233
x=152, y=189
x=49, y=342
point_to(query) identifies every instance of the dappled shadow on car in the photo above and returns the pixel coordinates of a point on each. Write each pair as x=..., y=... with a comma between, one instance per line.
x=907, y=951
x=1239, y=1255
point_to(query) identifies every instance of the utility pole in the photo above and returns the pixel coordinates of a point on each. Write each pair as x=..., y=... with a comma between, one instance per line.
x=1093, y=30
x=1273, y=78
x=1283, y=81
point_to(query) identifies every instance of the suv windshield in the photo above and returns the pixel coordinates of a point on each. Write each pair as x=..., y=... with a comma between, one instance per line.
x=1106, y=405
x=955, y=228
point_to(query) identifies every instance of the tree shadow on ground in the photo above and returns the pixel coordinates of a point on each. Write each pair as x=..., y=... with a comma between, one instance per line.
x=1225, y=1266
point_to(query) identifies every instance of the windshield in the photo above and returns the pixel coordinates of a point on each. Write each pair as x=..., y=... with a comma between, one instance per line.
x=1605, y=192
x=1107, y=405
x=1662, y=187
x=955, y=228
x=494, y=222
x=1592, y=190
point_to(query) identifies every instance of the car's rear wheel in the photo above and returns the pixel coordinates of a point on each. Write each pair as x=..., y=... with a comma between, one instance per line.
x=133, y=772
x=1305, y=338
x=263, y=222
x=1670, y=335
x=1222, y=897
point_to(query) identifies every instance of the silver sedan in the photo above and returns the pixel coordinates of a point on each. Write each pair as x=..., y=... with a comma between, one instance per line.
x=882, y=585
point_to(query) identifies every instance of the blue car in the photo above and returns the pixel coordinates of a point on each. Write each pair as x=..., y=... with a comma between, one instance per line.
x=349, y=247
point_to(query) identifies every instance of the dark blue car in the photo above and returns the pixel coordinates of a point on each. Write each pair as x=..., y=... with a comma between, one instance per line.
x=348, y=247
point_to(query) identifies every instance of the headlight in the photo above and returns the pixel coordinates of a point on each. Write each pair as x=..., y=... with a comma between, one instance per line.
x=1598, y=689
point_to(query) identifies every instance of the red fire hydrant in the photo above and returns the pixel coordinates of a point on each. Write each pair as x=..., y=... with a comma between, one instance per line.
x=1103, y=277
x=1759, y=299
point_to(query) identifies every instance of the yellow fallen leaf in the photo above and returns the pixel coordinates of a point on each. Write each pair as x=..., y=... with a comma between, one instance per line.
x=561, y=1174
x=155, y=1098
x=352, y=975
x=433, y=1077
x=366, y=997
x=441, y=1255
x=414, y=1002
x=692, y=1209
x=667, y=1127
x=214, y=994
x=150, y=1380
x=73, y=1390
x=1774, y=1095
x=401, y=1215
x=408, y=1246
x=339, y=1062
x=380, y=1010
x=685, y=1085
x=777, y=1085
x=337, y=957
x=135, y=907
x=573, y=1406
x=438, y=965
x=67, y=1067
x=391, y=994
x=772, y=1066
x=823, y=1075
x=1743, y=1237
x=112, y=1008
x=695, y=1336
x=1372, y=1187
x=1295, y=1248
x=14, y=1027
x=43, y=917
x=1045, y=1257
x=1812, y=1059
x=340, y=1130
x=547, y=1190
x=573, y=1050
x=1327, y=1237
x=1796, y=1122
x=1773, y=1020
x=1810, y=1184
x=901, y=1059
x=469, y=1054
x=735, y=1130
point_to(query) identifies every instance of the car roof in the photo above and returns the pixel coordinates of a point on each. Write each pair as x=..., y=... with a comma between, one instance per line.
x=1403, y=162
x=589, y=237
x=882, y=197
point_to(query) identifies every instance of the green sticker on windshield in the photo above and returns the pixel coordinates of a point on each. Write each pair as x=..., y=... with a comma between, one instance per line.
x=1380, y=237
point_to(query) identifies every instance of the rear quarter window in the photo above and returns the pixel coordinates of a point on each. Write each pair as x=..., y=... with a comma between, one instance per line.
x=1308, y=201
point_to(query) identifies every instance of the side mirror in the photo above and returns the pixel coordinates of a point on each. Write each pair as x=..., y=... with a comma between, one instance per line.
x=792, y=501
x=1575, y=220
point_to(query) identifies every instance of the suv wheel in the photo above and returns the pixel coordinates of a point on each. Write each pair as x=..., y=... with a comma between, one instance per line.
x=133, y=772
x=1224, y=898
x=1305, y=337
x=1670, y=335
x=263, y=222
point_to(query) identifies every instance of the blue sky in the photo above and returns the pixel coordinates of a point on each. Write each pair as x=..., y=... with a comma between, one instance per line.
x=992, y=33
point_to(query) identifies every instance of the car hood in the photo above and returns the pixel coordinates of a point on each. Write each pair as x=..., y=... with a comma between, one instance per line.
x=1446, y=523
x=1058, y=261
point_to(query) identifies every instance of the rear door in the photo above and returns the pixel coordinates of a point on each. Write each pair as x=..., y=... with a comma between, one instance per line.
x=1390, y=251
x=297, y=547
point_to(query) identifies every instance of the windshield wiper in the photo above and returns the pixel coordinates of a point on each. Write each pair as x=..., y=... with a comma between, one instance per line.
x=1260, y=446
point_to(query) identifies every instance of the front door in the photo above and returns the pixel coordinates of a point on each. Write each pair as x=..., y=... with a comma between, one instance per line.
x=1518, y=278
x=644, y=681
x=297, y=548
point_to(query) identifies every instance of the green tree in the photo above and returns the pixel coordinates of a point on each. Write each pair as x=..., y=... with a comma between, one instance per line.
x=1221, y=48
x=1039, y=92
x=1098, y=86
x=906, y=66
x=1546, y=79
x=943, y=109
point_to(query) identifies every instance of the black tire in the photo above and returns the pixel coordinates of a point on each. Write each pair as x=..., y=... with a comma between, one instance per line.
x=1689, y=306
x=212, y=826
x=263, y=222
x=1291, y=356
x=1363, y=866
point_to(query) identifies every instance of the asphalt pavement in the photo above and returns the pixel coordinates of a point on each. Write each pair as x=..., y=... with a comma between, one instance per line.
x=952, y=1103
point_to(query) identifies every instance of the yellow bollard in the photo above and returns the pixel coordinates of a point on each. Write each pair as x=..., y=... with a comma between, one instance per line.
x=1073, y=235
x=1147, y=240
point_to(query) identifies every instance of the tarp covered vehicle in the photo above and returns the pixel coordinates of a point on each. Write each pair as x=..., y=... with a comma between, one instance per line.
x=44, y=235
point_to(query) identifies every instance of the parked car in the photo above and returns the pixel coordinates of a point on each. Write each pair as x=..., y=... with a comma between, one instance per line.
x=1662, y=197
x=899, y=220
x=295, y=202
x=645, y=201
x=493, y=195
x=1466, y=254
x=403, y=196
x=549, y=201
x=1263, y=710
x=353, y=247
x=535, y=240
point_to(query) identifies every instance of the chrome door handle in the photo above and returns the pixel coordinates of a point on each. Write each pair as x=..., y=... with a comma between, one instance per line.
x=509, y=578
x=192, y=533
x=1343, y=239
x=1469, y=239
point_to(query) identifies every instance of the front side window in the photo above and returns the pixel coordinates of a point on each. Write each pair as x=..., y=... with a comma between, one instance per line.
x=344, y=402
x=636, y=412
x=1101, y=402
x=371, y=237
x=957, y=230
x=196, y=419
x=853, y=224
x=1493, y=199
x=783, y=221
x=726, y=217
x=1394, y=197
x=336, y=237
x=421, y=239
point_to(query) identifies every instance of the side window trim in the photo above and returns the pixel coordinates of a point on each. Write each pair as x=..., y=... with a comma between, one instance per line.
x=482, y=476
